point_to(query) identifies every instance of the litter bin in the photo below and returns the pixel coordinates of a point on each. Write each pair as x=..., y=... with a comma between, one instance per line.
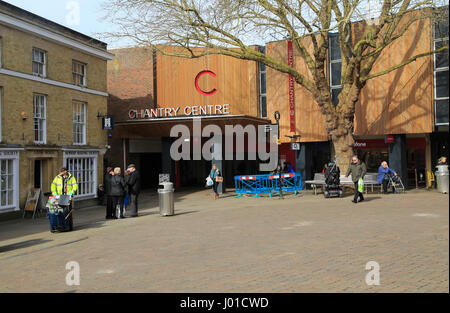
x=166, y=207
x=442, y=178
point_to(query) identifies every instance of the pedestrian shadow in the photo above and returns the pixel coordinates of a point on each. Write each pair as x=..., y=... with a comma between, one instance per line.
x=23, y=244
x=367, y=199
x=182, y=213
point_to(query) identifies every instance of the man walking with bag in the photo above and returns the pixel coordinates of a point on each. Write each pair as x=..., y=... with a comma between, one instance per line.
x=357, y=169
x=133, y=181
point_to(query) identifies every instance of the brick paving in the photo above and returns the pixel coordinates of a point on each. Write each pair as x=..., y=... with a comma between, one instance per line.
x=300, y=244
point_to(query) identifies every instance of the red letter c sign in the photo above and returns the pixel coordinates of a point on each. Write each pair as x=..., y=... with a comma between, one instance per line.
x=206, y=93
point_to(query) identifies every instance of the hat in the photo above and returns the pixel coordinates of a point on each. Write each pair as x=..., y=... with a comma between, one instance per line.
x=63, y=169
x=109, y=169
x=131, y=165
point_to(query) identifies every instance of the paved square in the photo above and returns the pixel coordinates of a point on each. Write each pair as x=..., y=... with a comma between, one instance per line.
x=300, y=244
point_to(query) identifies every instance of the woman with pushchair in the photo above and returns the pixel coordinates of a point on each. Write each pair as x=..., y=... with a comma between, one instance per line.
x=385, y=174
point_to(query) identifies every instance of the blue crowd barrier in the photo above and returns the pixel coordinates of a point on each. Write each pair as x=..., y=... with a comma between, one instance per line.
x=267, y=184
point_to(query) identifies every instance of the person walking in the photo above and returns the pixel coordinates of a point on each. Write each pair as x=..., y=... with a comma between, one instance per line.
x=357, y=169
x=133, y=181
x=384, y=173
x=214, y=174
x=117, y=192
x=107, y=188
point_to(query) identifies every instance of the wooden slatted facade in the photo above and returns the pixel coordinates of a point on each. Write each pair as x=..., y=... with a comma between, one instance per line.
x=400, y=102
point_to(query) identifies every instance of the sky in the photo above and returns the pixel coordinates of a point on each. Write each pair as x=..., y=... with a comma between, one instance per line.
x=89, y=21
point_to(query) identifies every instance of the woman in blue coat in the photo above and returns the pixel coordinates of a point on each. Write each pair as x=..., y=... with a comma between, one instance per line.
x=383, y=176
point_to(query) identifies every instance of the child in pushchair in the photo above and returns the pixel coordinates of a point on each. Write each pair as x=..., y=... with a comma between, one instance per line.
x=332, y=181
x=60, y=213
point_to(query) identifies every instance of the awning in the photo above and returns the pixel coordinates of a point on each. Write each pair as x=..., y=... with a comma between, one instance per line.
x=160, y=127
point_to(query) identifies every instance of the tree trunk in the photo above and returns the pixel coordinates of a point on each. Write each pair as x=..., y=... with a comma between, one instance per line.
x=343, y=147
x=340, y=126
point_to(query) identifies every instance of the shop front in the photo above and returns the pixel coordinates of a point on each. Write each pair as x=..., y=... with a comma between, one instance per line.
x=411, y=155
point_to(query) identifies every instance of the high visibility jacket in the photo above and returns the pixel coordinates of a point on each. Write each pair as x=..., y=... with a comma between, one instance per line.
x=57, y=185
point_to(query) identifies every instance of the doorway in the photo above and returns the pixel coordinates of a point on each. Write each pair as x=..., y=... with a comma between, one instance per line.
x=38, y=174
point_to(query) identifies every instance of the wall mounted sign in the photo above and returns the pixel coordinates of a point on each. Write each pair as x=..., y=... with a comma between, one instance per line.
x=196, y=110
x=107, y=123
x=291, y=89
x=206, y=93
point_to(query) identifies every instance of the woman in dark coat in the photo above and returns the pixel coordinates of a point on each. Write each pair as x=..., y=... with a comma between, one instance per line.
x=117, y=192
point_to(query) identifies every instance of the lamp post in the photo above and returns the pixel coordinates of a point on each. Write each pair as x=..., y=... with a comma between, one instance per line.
x=277, y=118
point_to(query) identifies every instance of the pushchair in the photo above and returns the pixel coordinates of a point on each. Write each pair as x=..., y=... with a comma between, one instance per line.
x=60, y=213
x=332, y=181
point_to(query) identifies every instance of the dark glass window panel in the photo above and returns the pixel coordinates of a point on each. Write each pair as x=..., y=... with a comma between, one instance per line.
x=442, y=84
x=263, y=106
x=334, y=95
x=441, y=30
x=441, y=111
x=336, y=73
x=263, y=83
x=441, y=58
x=335, y=51
x=262, y=67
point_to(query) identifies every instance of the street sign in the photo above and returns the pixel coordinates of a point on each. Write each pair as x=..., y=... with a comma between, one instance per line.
x=295, y=145
x=107, y=123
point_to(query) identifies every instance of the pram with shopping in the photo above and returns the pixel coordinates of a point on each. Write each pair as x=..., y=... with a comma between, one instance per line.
x=60, y=213
x=332, y=181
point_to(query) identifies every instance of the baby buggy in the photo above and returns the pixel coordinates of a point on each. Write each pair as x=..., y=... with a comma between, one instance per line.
x=332, y=181
x=60, y=213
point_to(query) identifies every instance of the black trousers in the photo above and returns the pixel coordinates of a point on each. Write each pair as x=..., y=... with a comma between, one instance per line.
x=109, y=207
x=133, y=205
x=117, y=201
x=357, y=194
x=215, y=185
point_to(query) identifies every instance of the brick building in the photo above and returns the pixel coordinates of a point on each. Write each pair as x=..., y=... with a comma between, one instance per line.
x=53, y=88
x=401, y=117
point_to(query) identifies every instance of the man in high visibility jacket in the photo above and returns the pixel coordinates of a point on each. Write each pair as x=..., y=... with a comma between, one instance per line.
x=64, y=184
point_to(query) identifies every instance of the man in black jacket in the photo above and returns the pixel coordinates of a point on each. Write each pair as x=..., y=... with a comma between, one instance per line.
x=107, y=188
x=133, y=181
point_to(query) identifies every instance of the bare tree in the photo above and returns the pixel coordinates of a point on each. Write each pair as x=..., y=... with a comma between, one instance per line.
x=226, y=26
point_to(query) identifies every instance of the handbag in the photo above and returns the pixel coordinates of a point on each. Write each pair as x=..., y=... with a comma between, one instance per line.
x=361, y=185
x=219, y=179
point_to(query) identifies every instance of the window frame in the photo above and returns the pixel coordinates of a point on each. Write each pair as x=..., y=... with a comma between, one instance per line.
x=40, y=118
x=83, y=123
x=44, y=63
x=83, y=75
x=331, y=62
x=13, y=174
x=86, y=177
x=262, y=95
x=435, y=71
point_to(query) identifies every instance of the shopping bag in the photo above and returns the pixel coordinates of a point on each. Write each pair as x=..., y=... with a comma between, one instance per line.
x=360, y=185
x=209, y=182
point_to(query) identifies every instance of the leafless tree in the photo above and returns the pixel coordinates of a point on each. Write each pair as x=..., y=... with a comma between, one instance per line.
x=227, y=26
